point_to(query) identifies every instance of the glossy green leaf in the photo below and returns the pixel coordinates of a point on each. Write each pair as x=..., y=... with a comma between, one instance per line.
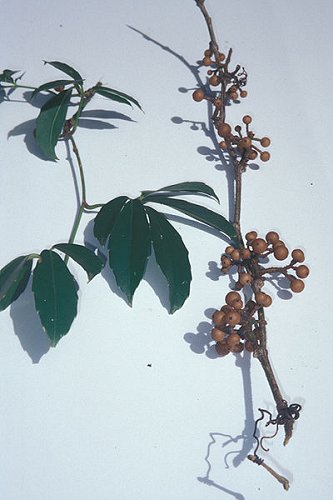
x=51, y=85
x=115, y=95
x=172, y=258
x=55, y=291
x=7, y=76
x=199, y=213
x=14, y=278
x=129, y=247
x=106, y=218
x=184, y=187
x=83, y=256
x=50, y=122
x=65, y=68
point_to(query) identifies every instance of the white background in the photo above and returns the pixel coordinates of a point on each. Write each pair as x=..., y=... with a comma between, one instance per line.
x=90, y=418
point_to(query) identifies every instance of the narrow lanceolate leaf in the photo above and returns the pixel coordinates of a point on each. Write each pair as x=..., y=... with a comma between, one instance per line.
x=50, y=122
x=199, y=213
x=116, y=95
x=184, y=187
x=51, y=85
x=172, y=258
x=83, y=256
x=129, y=247
x=55, y=291
x=65, y=68
x=13, y=280
x=106, y=218
x=7, y=76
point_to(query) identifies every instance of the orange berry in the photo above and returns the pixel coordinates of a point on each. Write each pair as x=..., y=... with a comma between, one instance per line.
x=217, y=334
x=218, y=318
x=249, y=346
x=265, y=142
x=259, y=245
x=237, y=348
x=206, y=61
x=214, y=80
x=260, y=298
x=221, y=57
x=229, y=249
x=198, y=95
x=233, y=318
x=243, y=93
x=302, y=271
x=233, y=339
x=231, y=296
x=223, y=145
x=247, y=119
x=237, y=304
x=267, y=300
x=234, y=96
x=272, y=237
x=245, y=143
x=265, y=156
x=245, y=253
x=226, y=309
x=250, y=236
x=281, y=252
x=297, y=285
x=245, y=279
x=298, y=255
x=224, y=129
x=208, y=53
x=252, y=155
x=235, y=254
x=222, y=348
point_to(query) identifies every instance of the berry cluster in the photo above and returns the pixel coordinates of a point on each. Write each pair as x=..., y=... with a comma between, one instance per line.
x=243, y=144
x=249, y=262
x=232, y=325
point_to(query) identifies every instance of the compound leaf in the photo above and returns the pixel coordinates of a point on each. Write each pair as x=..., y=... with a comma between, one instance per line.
x=184, y=187
x=14, y=278
x=116, y=95
x=172, y=258
x=55, y=291
x=65, y=68
x=106, y=218
x=129, y=247
x=50, y=122
x=199, y=213
x=83, y=256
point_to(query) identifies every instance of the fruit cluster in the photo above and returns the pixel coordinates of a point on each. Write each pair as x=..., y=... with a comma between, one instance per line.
x=243, y=144
x=232, y=322
x=251, y=271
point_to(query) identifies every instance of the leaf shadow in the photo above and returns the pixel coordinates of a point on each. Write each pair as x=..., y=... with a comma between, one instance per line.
x=27, y=326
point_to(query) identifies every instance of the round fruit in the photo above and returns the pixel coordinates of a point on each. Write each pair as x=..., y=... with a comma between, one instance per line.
x=265, y=142
x=281, y=252
x=235, y=254
x=224, y=129
x=234, y=96
x=214, y=80
x=265, y=156
x=260, y=298
x=208, y=53
x=302, y=271
x=247, y=119
x=198, y=95
x=272, y=237
x=298, y=255
x=226, y=309
x=252, y=155
x=250, y=236
x=229, y=249
x=217, y=334
x=245, y=279
x=221, y=57
x=245, y=143
x=222, y=348
x=267, y=300
x=249, y=346
x=237, y=304
x=245, y=253
x=206, y=61
x=243, y=93
x=237, y=348
x=218, y=318
x=231, y=296
x=225, y=261
x=233, y=339
x=259, y=245
x=233, y=318
x=297, y=285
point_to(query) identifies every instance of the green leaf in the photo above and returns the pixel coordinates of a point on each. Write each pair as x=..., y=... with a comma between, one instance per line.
x=172, y=258
x=184, y=187
x=51, y=85
x=83, y=256
x=50, y=122
x=129, y=247
x=115, y=95
x=199, y=213
x=65, y=68
x=106, y=218
x=6, y=76
x=14, y=278
x=55, y=291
